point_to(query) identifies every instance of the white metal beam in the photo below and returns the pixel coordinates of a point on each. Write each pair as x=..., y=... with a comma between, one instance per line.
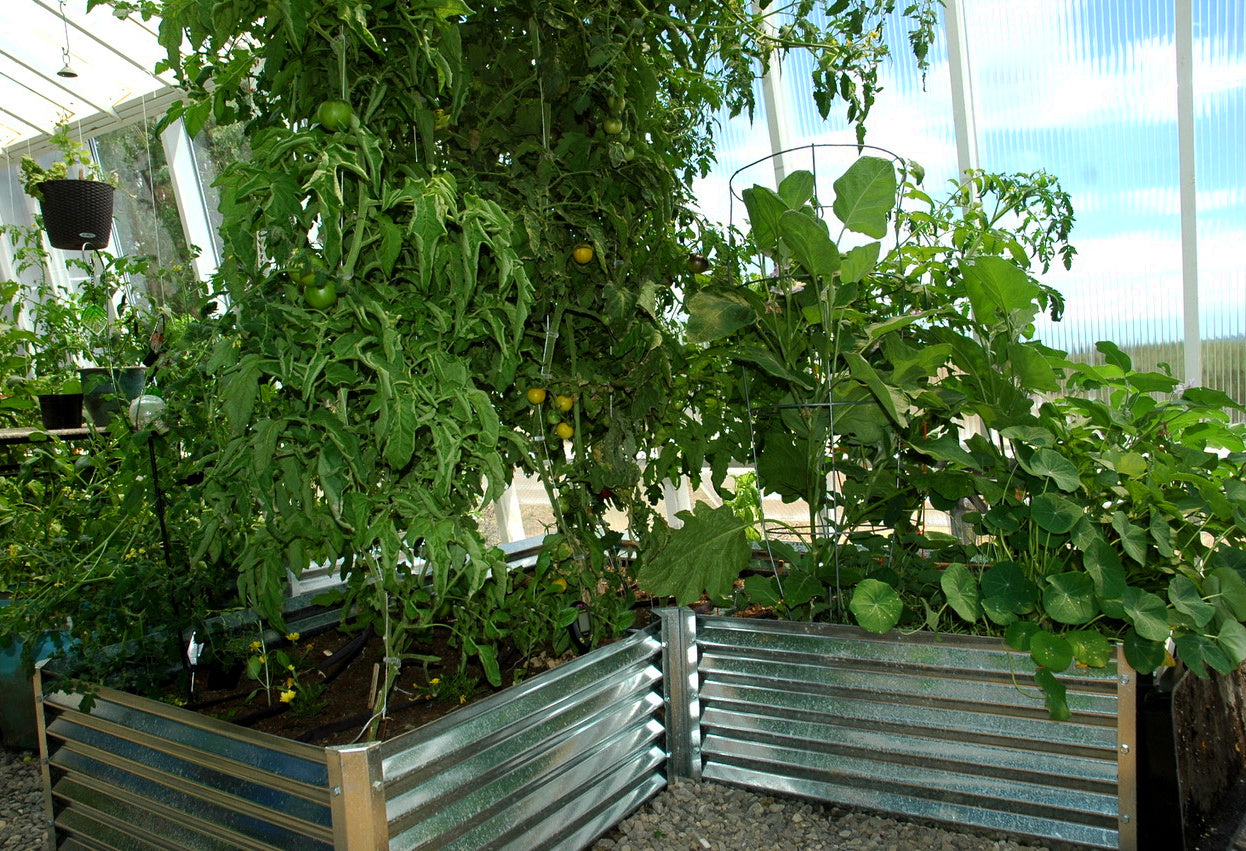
x=1189, y=193
x=962, y=87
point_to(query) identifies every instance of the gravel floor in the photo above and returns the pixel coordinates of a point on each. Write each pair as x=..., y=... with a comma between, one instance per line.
x=684, y=817
x=690, y=816
x=22, y=823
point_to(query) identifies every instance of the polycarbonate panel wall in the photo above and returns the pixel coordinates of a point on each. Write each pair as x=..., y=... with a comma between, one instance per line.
x=1219, y=70
x=1088, y=92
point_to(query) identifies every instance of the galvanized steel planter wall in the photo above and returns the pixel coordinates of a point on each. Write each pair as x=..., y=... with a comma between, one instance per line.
x=549, y=763
x=950, y=728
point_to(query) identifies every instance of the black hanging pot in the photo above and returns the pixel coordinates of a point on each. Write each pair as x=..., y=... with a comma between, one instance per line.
x=77, y=214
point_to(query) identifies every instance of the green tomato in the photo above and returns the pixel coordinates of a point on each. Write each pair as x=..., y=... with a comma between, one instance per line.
x=613, y=126
x=335, y=115
x=321, y=297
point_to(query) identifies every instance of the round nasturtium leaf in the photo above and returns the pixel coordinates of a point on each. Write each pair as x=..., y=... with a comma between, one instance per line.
x=1018, y=635
x=1070, y=598
x=1089, y=647
x=1051, y=651
x=876, y=605
x=1054, y=513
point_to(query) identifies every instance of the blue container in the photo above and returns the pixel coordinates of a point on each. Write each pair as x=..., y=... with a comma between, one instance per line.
x=17, y=693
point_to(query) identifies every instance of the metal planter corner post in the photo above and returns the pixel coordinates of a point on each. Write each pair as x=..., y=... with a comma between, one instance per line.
x=683, y=705
x=357, y=798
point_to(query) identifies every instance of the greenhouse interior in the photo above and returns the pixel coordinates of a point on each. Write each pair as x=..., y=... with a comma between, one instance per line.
x=553, y=424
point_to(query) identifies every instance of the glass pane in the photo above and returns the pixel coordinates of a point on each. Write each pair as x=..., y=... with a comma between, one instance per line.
x=146, y=215
x=215, y=148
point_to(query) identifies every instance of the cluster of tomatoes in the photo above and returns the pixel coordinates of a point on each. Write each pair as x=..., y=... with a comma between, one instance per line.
x=554, y=415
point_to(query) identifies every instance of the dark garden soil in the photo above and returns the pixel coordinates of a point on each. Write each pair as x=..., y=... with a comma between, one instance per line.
x=344, y=669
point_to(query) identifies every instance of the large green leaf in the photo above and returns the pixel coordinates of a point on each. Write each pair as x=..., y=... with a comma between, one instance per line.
x=797, y=188
x=961, y=590
x=810, y=244
x=1232, y=640
x=713, y=314
x=1199, y=651
x=1090, y=647
x=865, y=196
x=891, y=400
x=783, y=468
x=1070, y=598
x=770, y=362
x=1105, y=568
x=1050, y=464
x=706, y=554
x=876, y=605
x=1231, y=589
x=858, y=262
x=1054, y=691
x=1007, y=592
x=1000, y=293
x=765, y=207
x=1144, y=654
x=1133, y=538
x=1032, y=367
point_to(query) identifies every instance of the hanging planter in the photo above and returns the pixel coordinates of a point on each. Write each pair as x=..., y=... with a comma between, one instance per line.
x=77, y=214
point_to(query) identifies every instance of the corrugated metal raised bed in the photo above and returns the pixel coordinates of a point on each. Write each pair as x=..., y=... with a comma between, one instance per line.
x=943, y=727
x=549, y=763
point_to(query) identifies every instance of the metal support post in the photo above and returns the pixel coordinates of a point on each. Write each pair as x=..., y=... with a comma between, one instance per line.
x=683, y=700
x=357, y=798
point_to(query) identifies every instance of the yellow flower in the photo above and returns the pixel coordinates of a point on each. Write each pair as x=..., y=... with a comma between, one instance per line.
x=292, y=636
x=263, y=659
x=287, y=696
x=462, y=699
x=435, y=681
x=255, y=645
x=14, y=549
x=289, y=667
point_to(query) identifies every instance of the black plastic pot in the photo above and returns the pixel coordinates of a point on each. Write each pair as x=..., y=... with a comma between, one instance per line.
x=106, y=389
x=60, y=410
x=77, y=214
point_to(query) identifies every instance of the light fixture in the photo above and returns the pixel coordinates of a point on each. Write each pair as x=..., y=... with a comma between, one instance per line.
x=67, y=70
